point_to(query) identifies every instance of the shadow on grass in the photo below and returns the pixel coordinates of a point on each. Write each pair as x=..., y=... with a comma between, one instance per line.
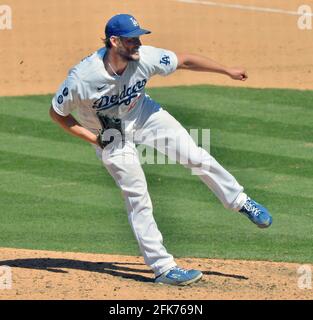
x=117, y=269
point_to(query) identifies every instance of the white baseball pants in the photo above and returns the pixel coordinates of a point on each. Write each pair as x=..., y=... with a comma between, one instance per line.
x=123, y=164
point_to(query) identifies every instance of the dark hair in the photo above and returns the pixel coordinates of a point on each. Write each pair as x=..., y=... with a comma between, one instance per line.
x=107, y=43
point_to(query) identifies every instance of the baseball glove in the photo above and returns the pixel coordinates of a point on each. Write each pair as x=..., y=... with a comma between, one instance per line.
x=108, y=132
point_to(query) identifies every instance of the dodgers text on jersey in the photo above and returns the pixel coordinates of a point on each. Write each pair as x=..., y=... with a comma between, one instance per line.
x=125, y=97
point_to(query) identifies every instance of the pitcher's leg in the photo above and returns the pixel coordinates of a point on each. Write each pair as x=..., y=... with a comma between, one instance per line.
x=126, y=170
x=179, y=145
x=162, y=128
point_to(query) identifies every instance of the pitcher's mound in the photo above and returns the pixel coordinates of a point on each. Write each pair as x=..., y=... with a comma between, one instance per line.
x=67, y=275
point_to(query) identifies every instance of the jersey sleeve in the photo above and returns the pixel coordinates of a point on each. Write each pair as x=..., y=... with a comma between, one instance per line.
x=67, y=97
x=161, y=61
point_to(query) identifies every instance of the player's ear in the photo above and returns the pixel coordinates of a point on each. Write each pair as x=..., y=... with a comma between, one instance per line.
x=114, y=41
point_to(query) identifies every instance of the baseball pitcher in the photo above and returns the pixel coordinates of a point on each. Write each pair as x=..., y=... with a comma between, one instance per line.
x=108, y=91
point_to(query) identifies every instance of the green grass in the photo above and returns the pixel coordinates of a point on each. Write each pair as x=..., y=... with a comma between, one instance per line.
x=55, y=194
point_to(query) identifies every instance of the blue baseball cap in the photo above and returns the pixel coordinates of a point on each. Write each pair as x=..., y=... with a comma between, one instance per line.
x=124, y=25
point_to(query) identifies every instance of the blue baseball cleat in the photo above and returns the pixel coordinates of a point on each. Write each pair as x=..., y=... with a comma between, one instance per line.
x=256, y=213
x=179, y=277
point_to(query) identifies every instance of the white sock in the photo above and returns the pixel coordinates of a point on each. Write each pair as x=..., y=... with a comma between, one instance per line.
x=240, y=201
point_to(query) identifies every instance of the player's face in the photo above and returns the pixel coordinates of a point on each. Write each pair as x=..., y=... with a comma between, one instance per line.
x=128, y=48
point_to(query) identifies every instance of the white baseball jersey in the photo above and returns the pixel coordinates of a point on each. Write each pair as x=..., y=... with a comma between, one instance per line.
x=89, y=87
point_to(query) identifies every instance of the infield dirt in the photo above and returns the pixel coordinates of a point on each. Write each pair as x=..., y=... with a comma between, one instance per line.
x=66, y=275
x=49, y=37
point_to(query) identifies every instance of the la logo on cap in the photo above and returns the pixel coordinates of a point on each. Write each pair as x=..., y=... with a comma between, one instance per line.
x=135, y=23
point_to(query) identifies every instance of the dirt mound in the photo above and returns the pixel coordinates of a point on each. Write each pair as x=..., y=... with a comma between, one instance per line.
x=66, y=275
x=49, y=37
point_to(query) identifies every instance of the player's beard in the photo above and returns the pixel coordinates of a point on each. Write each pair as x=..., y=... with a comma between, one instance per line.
x=129, y=54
